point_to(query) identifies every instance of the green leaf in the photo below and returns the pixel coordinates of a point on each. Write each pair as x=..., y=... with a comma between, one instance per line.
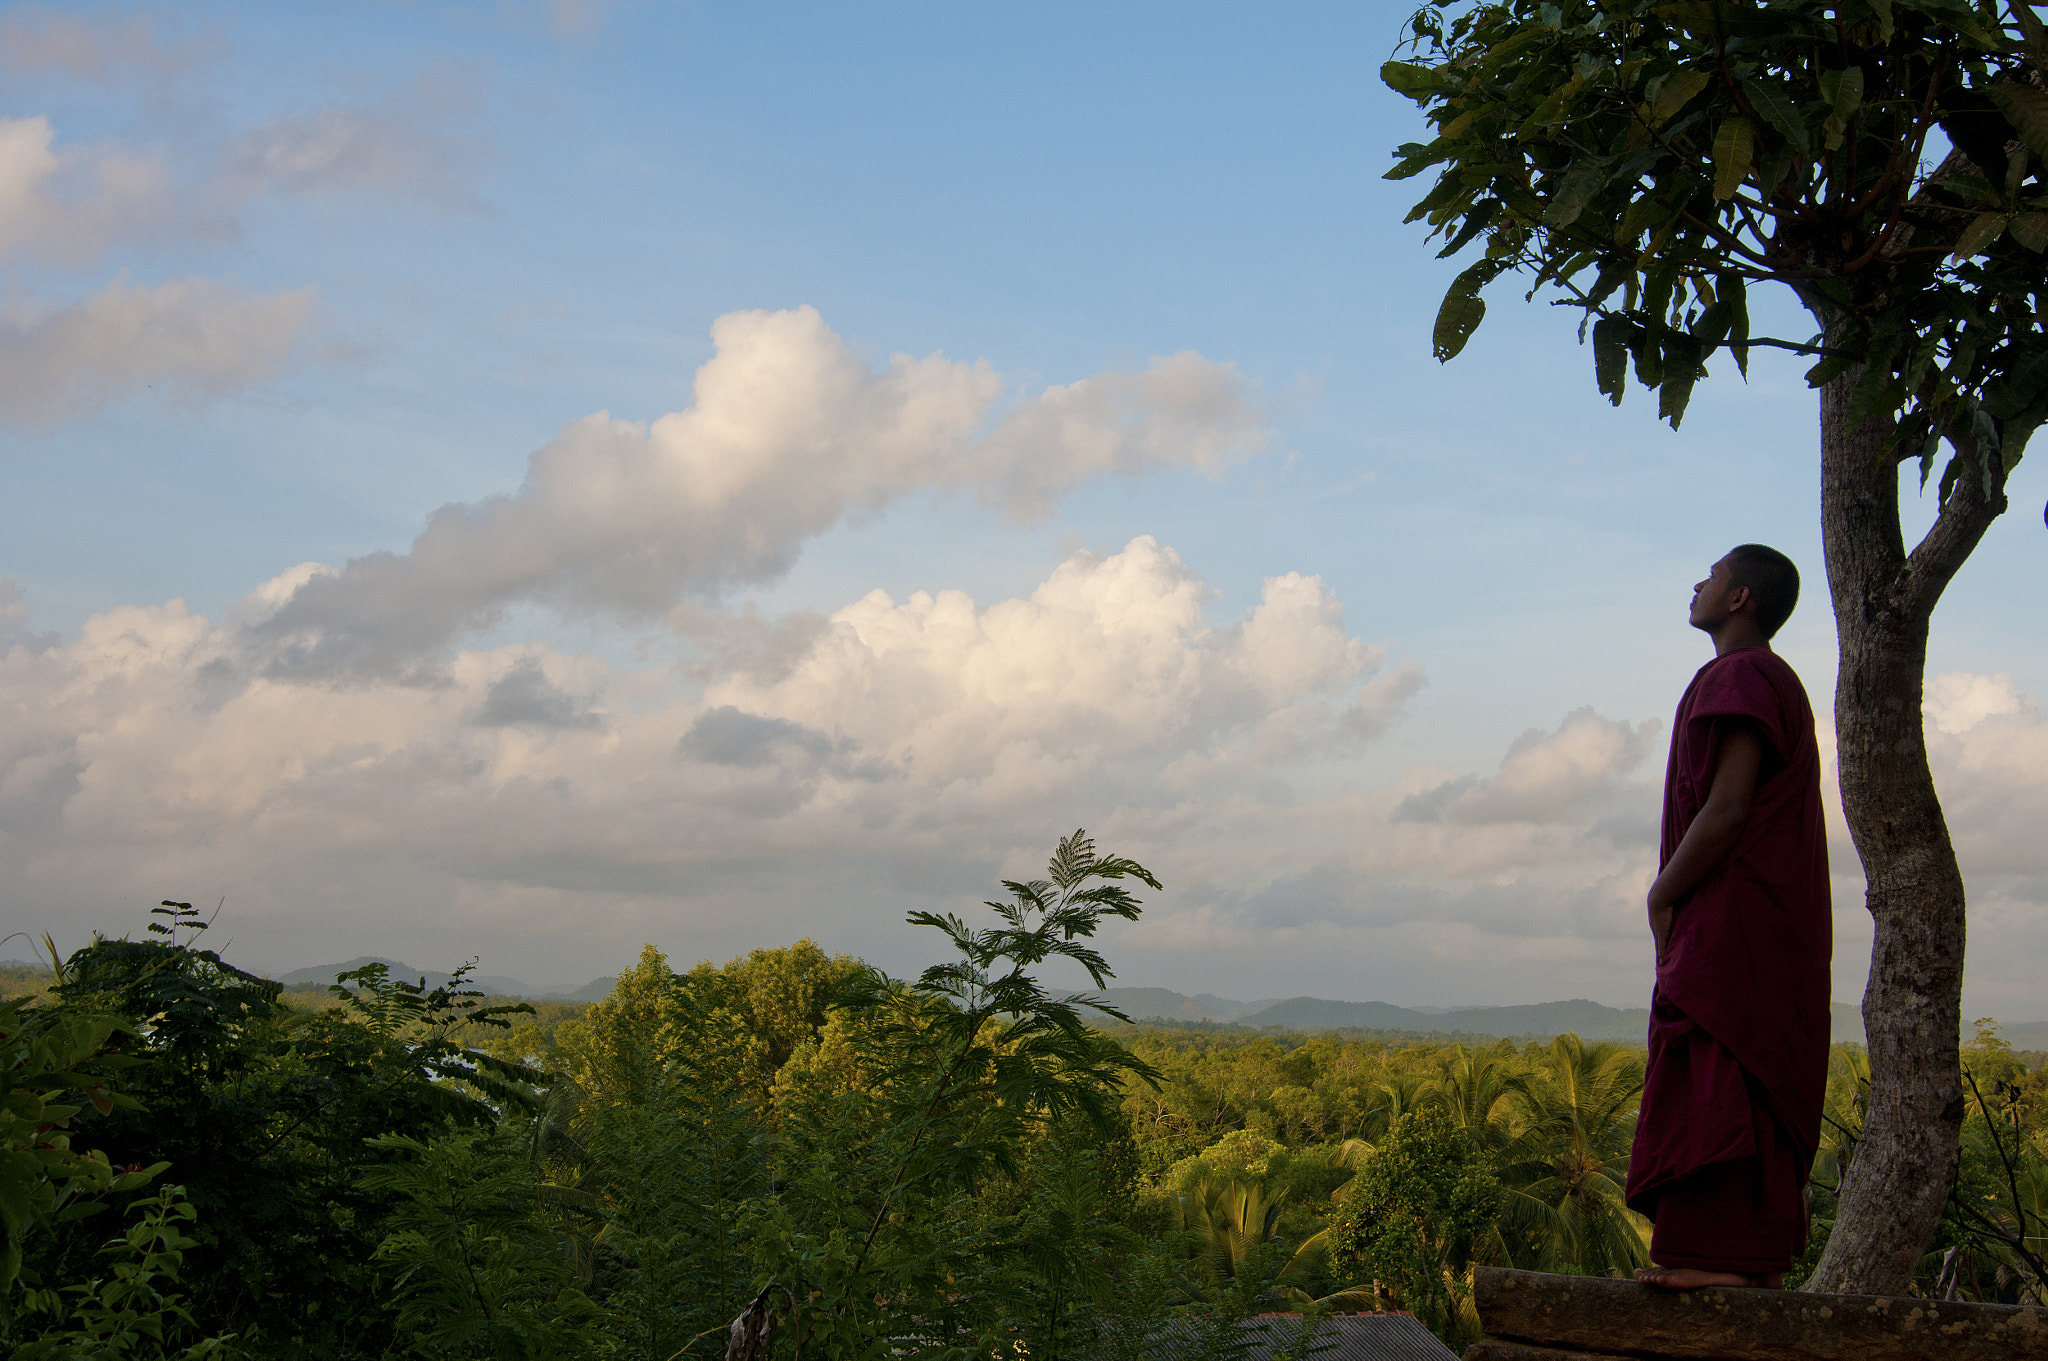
x=1776, y=105
x=1610, y=357
x=1734, y=148
x=1715, y=19
x=1649, y=357
x=1677, y=92
x=1416, y=82
x=1883, y=10
x=1462, y=311
x=1417, y=158
x=1844, y=92
x=2034, y=36
x=1734, y=294
x=1478, y=220
x=1843, y=89
x=1682, y=370
x=2026, y=108
x=1982, y=231
x=1829, y=369
x=1875, y=391
x=2030, y=230
x=1583, y=180
x=1928, y=450
x=1713, y=325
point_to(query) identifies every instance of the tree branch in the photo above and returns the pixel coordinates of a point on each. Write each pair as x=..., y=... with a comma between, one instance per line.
x=1964, y=517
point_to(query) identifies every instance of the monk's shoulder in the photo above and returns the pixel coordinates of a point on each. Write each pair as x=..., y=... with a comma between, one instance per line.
x=1748, y=680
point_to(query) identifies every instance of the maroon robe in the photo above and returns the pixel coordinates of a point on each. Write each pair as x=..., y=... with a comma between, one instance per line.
x=1731, y=1109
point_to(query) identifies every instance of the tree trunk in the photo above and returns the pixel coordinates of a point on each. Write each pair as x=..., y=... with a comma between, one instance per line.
x=1898, y=1180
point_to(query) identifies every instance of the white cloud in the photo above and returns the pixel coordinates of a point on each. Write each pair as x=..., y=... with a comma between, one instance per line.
x=411, y=145
x=14, y=617
x=1988, y=745
x=67, y=207
x=33, y=38
x=930, y=741
x=71, y=205
x=192, y=337
x=789, y=433
x=1545, y=777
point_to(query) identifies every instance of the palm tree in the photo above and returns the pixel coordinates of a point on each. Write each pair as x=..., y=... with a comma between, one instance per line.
x=1228, y=1222
x=1566, y=1202
x=1482, y=1093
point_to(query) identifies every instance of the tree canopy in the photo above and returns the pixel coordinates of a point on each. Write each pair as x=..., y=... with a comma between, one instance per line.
x=1646, y=162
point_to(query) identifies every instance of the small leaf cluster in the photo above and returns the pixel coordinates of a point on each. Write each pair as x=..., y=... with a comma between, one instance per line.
x=135, y=1307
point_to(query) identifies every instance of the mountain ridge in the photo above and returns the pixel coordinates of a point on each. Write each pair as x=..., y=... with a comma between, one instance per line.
x=322, y=974
x=1587, y=1019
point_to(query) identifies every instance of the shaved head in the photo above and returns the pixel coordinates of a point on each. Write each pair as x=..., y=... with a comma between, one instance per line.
x=1772, y=580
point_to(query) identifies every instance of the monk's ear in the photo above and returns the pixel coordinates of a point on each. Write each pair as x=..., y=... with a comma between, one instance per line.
x=1740, y=599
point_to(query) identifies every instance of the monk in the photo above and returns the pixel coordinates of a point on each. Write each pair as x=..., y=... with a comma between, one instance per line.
x=1744, y=929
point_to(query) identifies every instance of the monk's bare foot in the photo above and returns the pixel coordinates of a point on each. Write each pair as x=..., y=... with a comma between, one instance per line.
x=1690, y=1278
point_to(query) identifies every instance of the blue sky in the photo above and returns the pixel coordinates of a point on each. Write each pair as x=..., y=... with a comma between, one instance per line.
x=416, y=242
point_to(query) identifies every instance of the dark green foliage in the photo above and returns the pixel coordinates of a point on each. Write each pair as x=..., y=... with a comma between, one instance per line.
x=475, y=1267
x=264, y=1115
x=59, y=1066
x=1994, y=1240
x=665, y=1161
x=131, y=1304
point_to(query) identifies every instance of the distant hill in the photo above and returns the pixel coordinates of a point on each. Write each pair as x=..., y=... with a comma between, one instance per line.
x=322, y=975
x=1588, y=1020
x=2032, y=1035
x=596, y=990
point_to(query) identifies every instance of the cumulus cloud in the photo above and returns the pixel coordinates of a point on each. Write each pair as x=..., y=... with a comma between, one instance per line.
x=789, y=433
x=1988, y=745
x=929, y=740
x=1545, y=777
x=192, y=337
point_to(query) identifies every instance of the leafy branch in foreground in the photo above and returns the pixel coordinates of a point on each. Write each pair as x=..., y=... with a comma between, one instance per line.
x=1647, y=162
x=955, y=1071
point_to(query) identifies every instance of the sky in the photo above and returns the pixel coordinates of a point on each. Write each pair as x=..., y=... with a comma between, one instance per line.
x=521, y=480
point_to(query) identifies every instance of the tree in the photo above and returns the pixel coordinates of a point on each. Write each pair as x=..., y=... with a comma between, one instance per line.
x=1412, y=1217
x=1574, y=1164
x=1646, y=162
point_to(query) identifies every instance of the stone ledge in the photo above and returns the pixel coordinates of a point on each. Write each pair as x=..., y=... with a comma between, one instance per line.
x=1576, y=1314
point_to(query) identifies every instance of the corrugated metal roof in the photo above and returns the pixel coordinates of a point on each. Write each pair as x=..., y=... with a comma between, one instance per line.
x=1341, y=1337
